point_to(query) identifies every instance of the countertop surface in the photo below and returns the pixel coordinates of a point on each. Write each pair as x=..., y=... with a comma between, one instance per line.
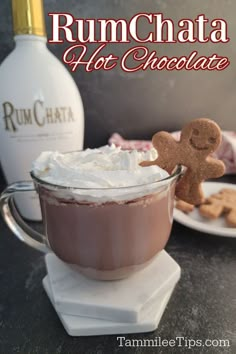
x=203, y=305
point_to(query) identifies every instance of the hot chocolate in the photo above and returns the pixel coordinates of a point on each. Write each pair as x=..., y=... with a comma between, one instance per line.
x=102, y=211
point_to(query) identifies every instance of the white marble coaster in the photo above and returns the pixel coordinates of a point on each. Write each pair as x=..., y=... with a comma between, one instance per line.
x=84, y=326
x=126, y=300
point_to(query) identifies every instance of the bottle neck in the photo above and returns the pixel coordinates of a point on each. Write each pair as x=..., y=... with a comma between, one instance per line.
x=29, y=39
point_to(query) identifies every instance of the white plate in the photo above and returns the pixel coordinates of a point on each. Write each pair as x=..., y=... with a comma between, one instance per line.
x=195, y=221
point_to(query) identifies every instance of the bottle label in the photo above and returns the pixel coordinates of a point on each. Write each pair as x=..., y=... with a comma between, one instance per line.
x=39, y=115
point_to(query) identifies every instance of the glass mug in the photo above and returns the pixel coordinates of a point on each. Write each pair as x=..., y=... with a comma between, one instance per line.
x=103, y=240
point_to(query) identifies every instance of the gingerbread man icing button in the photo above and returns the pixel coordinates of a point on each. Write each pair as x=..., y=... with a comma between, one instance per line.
x=198, y=140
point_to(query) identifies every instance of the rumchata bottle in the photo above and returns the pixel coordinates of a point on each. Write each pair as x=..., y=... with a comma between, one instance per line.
x=40, y=105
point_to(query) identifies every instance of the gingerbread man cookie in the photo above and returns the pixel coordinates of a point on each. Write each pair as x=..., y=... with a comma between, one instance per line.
x=222, y=203
x=199, y=139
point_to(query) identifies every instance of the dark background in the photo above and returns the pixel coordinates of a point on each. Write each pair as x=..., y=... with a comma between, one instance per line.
x=138, y=104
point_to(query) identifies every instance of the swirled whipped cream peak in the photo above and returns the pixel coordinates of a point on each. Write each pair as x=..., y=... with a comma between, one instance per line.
x=102, y=168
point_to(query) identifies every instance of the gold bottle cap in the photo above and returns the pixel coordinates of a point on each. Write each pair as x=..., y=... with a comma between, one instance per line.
x=28, y=17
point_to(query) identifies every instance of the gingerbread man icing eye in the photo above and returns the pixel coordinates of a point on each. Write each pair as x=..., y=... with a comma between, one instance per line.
x=196, y=132
x=212, y=140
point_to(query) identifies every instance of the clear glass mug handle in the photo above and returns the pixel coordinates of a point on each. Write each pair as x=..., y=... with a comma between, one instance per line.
x=15, y=222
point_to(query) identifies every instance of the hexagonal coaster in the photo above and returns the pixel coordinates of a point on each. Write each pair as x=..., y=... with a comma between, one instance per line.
x=127, y=300
x=84, y=326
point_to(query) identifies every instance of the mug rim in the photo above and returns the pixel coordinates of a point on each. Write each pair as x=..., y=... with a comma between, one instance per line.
x=176, y=173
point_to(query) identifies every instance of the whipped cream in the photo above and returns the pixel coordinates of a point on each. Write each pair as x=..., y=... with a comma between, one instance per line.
x=107, y=173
